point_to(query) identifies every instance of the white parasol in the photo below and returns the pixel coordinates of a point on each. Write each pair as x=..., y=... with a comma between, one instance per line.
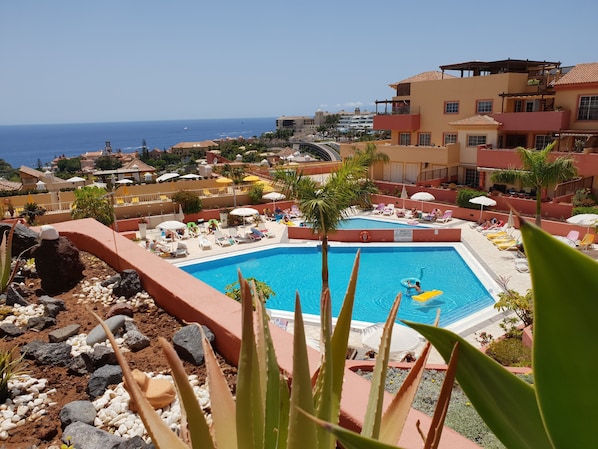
x=171, y=225
x=588, y=220
x=167, y=177
x=423, y=196
x=482, y=201
x=124, y=181
x=76, y=179
x=403, y=340
x=190, y=176
x=404, y=195
x=274, y=196
x=244, y=212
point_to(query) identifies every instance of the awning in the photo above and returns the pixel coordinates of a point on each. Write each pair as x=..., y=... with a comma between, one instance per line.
x=576, y=133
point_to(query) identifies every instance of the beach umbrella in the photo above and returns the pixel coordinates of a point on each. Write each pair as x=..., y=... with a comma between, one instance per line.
x=588, y=220
x=171, y=225
x=223, y=180
x=76, y=179
x=167, y=177
x=101, y=185
x=274, y=196
x=423, y=196
x=404, y=195
x=251, y=178
x=403, y=340
x=124, y=181
x=244, y=212
x=511, y=220
x=190, y=176
x=482, y=201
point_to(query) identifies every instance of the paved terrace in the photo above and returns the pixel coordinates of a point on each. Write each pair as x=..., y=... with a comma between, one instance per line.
x=499, y=264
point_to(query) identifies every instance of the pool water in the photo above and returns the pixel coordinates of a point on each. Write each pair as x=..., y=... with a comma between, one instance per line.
x=372, y=223
x=290, y=269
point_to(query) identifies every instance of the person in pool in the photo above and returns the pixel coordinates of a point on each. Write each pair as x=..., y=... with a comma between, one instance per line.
x=417, y=286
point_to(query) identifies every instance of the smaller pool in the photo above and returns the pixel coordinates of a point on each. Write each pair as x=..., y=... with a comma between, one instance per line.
x=373, y=223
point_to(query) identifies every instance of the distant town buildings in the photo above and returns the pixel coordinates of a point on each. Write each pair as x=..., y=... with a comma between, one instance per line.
x=347, y=121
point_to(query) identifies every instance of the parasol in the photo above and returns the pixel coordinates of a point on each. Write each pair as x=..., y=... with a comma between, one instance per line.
x=482, y=201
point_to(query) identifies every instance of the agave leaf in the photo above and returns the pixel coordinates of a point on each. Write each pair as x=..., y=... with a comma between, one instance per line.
x=6, y=257
x=198, y=429
x=339, y=344
x=158, y=430
x=433, y=437
x=302, y=430
x=323, y=400
x=393, y=420
x=222, y=401
x=373, y=414
x=565, y=282
x=275, y=389
x=352, y=440
x=506, y=403
x=250, y=412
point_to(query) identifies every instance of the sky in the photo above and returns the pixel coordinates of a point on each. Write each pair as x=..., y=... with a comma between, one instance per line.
x=71, y=61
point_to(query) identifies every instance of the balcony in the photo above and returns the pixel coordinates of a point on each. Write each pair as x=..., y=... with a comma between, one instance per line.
x=397, y=122
x=546, y=121
x=498, y=159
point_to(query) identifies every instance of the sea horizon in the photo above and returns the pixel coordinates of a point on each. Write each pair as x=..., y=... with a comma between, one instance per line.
x=27, y=144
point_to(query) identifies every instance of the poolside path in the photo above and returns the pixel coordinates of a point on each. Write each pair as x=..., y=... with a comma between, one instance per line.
x=499, y=264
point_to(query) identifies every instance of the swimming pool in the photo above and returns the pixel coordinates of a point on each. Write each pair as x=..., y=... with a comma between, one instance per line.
x=373, y=223
x=291, y=268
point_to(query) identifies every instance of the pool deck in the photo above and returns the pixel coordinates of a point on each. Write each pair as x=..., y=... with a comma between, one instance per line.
x=499, y=264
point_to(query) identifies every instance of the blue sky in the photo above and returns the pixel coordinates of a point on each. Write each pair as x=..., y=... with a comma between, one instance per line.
x=132, y=60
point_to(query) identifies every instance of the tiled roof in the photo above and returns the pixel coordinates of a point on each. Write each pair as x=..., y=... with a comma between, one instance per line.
x=142, y=166
x=202, y=144
x=476, y=120
x=424, y=76
x=580, y=74
x=9, y=185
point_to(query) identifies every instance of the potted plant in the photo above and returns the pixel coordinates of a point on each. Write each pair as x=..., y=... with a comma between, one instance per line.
x=142, y=223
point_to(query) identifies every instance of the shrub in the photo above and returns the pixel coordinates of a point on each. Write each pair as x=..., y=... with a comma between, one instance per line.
x=255, y=193
x=510, y=352
x=11, y=366
x=583, y=198
x=463, y=197
x=190, y=202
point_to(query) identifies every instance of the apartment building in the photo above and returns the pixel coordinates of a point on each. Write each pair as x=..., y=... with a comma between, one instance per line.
x=465, y=120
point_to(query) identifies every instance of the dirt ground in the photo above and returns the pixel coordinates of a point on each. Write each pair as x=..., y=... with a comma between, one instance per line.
x=152, y=323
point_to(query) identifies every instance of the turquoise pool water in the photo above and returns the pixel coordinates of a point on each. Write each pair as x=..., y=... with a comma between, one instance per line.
x=372, y=223
x=292, y=268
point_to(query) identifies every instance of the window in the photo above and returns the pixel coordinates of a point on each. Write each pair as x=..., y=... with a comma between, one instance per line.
x=450, y=138
x=472, y=177
x=451, y=107
x=518, y=107
x=542, y=141
x=484, y=106
x=425, y=139
x=474, y=141
x=588, y=108
x=405, y=139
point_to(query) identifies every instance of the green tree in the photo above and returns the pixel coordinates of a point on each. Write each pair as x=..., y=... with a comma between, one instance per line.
x=93, y=202
x=371, y=156
x=69, y=165
x=263, y=290
x=190, y=202
x=538, y=172
x=324, y=205
x=236, y=174
x=108, y=163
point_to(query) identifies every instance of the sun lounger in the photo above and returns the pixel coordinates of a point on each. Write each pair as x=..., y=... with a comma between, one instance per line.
x=256, y=234
x=379, y=208
x=223, y=240
x=521, y=265
x=389, y=209
x=508, y=245
x=586, y=242
x=204, y=242
x=446, y=217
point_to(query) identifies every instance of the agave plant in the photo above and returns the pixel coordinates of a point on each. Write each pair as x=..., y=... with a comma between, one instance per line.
x=6, y=274
x=269, y=414
x=559, y=410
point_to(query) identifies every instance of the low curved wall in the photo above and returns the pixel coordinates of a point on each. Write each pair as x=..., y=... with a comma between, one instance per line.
x=381, y=235
x=189, y=299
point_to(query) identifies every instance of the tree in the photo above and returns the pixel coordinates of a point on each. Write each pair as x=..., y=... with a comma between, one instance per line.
x=371, y=155
x=538, y=172
x=190, y=202
x=93, y=202
x=323, y=205
x=107, y=163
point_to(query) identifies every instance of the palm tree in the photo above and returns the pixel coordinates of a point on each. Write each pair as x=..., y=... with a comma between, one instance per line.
x=371, y=155
x=324, y=205
x=538, y=172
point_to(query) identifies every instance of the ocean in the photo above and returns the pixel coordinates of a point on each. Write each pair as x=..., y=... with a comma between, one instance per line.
x=26, y=144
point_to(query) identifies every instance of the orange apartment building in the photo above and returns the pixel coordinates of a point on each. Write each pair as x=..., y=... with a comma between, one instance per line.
x=465, y=121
